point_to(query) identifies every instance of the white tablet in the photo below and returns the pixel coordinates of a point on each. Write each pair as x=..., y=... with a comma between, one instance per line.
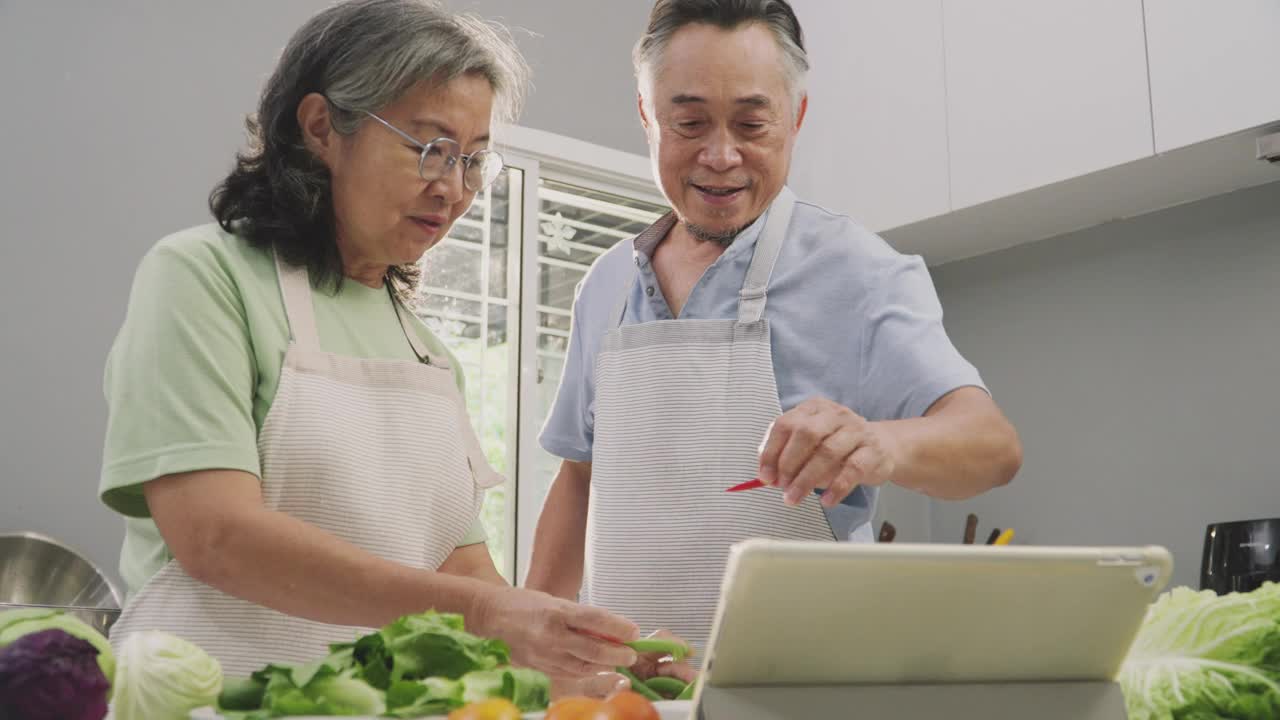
x=801, y=613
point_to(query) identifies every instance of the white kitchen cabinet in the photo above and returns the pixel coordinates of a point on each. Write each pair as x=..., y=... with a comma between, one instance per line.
x=1215, y=67
x=1039, y=92
x=874, y=143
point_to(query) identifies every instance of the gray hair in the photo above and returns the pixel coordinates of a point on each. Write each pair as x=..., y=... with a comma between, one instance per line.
x=668, y=16
x=367, y=53
x=362, y=55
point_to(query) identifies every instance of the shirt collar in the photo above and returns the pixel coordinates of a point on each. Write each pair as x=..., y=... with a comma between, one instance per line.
x=647, y=241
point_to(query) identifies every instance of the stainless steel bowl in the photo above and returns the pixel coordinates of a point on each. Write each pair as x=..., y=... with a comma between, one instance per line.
x=38, y=571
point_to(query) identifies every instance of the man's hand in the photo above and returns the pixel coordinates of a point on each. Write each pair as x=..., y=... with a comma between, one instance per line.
x=820, y=444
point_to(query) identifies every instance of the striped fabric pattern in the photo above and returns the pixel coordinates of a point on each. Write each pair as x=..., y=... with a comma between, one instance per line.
x=681, y=407
x=379, y=453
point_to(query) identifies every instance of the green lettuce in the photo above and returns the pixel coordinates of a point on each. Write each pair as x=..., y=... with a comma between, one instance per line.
x=424, y=664
x=414, y=698
x=1201, y=656
x=529, y=690
x=316, y=688
x=416, y=647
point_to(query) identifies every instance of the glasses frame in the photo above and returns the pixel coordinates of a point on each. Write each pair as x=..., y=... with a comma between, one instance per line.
x=453, y=157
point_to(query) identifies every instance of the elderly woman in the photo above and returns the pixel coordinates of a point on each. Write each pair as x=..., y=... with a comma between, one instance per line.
x=286, y=439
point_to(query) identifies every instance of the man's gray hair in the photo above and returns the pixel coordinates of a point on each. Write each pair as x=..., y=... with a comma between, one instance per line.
x=668, y=16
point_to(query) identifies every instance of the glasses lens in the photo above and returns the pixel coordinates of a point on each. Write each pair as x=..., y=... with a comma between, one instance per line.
x=485, y=167
x=439, y=157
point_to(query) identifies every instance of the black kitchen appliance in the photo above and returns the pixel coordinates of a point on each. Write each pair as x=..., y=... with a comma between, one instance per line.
x=1240, y=556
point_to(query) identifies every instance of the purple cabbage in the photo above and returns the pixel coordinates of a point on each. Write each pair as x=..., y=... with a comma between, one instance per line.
x=51, y=675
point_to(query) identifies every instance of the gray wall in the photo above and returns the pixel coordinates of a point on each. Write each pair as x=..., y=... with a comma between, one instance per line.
x=118, y=118
x=1139, y=361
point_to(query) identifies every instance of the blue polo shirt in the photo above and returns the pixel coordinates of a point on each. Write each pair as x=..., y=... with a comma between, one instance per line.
x=851, y=320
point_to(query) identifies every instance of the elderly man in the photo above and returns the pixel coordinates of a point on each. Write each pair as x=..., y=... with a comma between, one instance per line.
x=746, y=334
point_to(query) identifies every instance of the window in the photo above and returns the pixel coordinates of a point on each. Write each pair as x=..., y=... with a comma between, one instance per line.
x=499, y=290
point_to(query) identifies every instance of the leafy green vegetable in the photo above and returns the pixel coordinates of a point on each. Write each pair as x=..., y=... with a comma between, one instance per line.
x=668, y=687
x=242, y=694
x=526, y=689
x=638, y=685
x=425, y=664
x=678, y=651
x=163, y=677
x=317, y=688
x=327, y=695
x=22, y=621
x=1199, y=656
x=433, y=696
x=419, y=646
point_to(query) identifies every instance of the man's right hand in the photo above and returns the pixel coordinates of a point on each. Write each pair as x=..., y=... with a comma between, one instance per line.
x=550, y=634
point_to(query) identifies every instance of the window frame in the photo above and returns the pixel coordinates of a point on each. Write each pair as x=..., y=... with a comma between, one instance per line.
x=539, y=154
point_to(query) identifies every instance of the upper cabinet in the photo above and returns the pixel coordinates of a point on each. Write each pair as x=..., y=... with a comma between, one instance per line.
x=1215, y=67
x=1038, y=92
x=874, y=142
x=959, y=127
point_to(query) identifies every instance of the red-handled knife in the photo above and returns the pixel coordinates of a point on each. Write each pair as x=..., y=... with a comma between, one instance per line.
x=748, y=485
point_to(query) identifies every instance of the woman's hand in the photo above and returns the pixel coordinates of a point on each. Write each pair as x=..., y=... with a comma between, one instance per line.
x=600, y=685
x=550, y=634
x=651, y=665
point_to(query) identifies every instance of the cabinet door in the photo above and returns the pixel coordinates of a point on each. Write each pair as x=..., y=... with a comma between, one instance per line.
x=874, y=143
x=1039, y=92
x=1215, y=67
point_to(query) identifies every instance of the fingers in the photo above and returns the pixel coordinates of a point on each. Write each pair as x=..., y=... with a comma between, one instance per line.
x=653, y=665
x=601, y=622
x=775, y=438
x=825, y=463
x=680, y=670
x=601, y=654
x=792, y=438
x=598, y=685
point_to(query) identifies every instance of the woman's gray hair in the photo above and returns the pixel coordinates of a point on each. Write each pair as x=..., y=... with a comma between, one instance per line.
x=668, y=16
x=362, y=55
x=372, y=51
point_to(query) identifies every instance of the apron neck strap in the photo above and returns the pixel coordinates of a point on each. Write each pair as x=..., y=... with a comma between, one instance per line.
x=299, y=309
x=410, y=334
x=754, y=293
x=295, y=290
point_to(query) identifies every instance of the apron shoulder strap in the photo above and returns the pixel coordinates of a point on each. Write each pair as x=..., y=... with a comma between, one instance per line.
x=752, y=298
x=295, y=290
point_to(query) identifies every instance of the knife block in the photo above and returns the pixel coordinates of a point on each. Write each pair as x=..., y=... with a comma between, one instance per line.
x=960, y=701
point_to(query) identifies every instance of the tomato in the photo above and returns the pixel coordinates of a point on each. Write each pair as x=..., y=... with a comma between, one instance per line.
x=582, y=708
x=632, y=705
x=493, y=709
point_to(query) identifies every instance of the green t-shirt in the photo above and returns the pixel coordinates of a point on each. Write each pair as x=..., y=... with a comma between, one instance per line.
x=194, y=369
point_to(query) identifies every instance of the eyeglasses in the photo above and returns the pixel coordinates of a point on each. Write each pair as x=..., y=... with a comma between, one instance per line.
x=479, y=169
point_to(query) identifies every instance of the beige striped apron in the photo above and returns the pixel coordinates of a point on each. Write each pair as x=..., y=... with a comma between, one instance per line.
x=379, y=453
x=681, y=408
